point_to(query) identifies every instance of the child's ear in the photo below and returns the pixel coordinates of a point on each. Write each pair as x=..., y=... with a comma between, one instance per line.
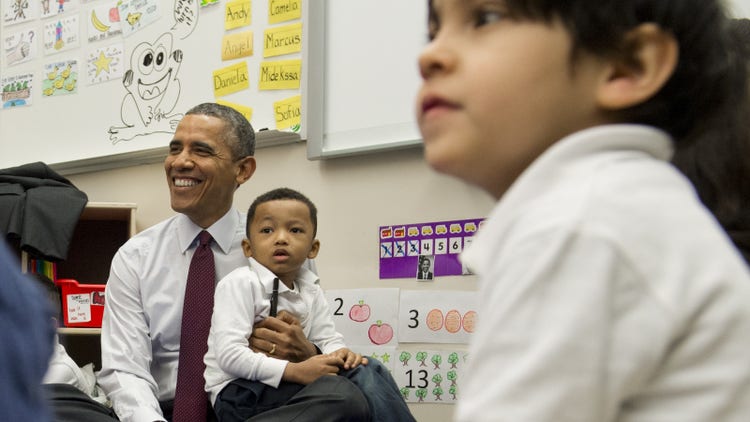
x=247, y=248
x=314, y=249
x=648, y=61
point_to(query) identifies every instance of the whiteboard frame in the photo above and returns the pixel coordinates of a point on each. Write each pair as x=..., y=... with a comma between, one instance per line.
x=322, y=144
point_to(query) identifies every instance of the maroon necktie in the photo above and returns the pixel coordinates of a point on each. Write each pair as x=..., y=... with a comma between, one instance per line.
x=190, y=399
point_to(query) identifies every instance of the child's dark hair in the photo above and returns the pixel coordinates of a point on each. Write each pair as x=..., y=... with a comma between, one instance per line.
x=706, y=94
x=280, y=194
x=705, y=104
x=720, y=168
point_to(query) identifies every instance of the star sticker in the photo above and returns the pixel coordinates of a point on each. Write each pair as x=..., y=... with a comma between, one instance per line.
x=386, y=357
x=102, y=63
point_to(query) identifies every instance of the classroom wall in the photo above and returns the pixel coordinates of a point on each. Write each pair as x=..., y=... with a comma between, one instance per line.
x=354, y=195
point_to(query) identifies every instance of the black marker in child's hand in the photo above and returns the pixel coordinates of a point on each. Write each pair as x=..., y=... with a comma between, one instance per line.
x=274, y=297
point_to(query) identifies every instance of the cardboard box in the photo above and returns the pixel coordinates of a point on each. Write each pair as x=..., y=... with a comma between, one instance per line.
x=82, y=304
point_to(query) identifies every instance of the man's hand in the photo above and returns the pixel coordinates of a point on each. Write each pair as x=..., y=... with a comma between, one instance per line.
x=283, y=335
x=350, y=359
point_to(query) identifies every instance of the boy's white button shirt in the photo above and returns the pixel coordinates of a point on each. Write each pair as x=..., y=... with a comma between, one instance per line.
x=243, y=298
x=607, y=292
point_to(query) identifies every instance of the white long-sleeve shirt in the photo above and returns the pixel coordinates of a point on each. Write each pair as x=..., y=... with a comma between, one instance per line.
x=242, y=298
x=607, y=293
x=142, y=319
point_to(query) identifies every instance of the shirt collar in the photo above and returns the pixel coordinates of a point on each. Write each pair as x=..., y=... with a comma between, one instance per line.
x=541, y=174
x=223, y=231
x=305, y=279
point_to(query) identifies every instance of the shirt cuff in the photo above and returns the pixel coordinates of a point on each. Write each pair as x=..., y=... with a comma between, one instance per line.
x=272, y=371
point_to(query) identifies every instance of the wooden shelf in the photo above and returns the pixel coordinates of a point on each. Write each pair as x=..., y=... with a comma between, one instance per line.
x=79, y=331
x=102, y=228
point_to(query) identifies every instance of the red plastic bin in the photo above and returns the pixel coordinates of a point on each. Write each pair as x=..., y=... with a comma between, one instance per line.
x=82, y=304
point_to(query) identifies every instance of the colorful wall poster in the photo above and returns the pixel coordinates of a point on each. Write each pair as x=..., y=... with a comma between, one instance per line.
x=18, y=11
x=429, y=376
x=103, y=22
x=20, y=46
x=61, y=78
x=105, y=63
x=436, y=316
x=50, y=8
x=61, y=34
x=366, y=317
x=137, y=14
x=17, y=90
x=402, y=246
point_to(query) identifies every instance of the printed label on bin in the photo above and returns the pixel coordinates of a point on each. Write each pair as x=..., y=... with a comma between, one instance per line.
x=79, y=308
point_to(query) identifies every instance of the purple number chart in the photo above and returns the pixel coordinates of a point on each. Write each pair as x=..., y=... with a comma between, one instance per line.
x=425, y=250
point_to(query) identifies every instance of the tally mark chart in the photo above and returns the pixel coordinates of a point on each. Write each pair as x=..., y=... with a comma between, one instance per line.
x=404, y=247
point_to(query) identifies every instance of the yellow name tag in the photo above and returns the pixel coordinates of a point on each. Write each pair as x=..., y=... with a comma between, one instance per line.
x=282, y=40
x=284, y=10
x=287, y=112
x=231, y=79
x=234, y=46
x=237, y=13
x=283, y=74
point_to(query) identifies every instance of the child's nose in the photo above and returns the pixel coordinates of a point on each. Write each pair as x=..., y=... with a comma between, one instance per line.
x=435, y=57
x=281, y=237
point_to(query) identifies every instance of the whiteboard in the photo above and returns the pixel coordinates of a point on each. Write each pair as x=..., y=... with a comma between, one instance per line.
x=86, y=130
x=363, y=75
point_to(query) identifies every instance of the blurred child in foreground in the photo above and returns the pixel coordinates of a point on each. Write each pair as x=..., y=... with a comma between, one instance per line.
x=607, y=290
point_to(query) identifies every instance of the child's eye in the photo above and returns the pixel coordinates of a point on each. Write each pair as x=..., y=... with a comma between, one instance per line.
x=266, y=230
x=297, y=230
x=486, y=17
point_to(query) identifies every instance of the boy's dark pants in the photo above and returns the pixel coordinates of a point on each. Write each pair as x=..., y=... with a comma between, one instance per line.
x=361, y=394
x=328, y=399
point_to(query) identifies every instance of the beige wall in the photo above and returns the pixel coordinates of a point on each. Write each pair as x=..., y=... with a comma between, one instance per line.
x=354, y=196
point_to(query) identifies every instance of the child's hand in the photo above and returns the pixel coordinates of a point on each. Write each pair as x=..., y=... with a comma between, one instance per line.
x=351, y=359
x=308, y=371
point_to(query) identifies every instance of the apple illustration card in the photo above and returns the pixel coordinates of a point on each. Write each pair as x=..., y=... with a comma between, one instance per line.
x=436, y=316
x=366, y=317
x=429, y=376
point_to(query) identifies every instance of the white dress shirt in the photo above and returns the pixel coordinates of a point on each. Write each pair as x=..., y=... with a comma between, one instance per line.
x=607, y=293
x=62, y=369
x=243, y=298
x=142, y=319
